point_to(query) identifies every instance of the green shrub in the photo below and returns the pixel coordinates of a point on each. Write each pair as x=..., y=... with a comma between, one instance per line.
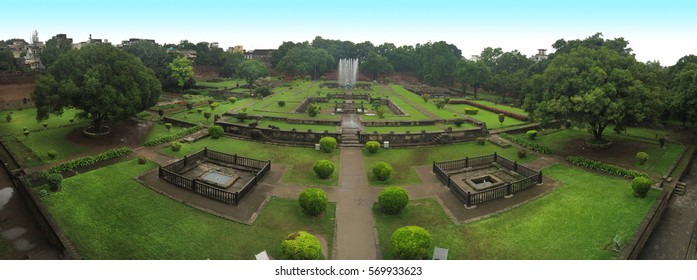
x=323, y=168
x=382, y=170
x=527, y=144
x=532, y=134
x=189, y=105
x=192, y=91
x=642, y=157
x=386, y=80
x=502, y=118
x=45, y=125
x=327, y=144
x=8, y=118
x=323, y=78
x=440, y=103
x=26, y=134
x=169, y=138
x=241, y=116
x=522, y=153
x=176, y=146
x=263, y=91
x=281, y=103
x=301, y=246
x=568, y=124
x=458, y=122
x=54, y=181
x=168, y=126
x=199, y=110
x=662, y=141
x=246, y=95
x=308, y=78
x=313, y=110
x=425, y=97
x=372, y=146
x=215, y=131
x=641, y=186
x=411, y=243
x=313, y=201
x=207, y=115
x=52, y=154
x=392, y=200
x=481, y=140
x=214, y=105
x=380, y=111
x=87, y=161
x=232, y=99
x=43, y=193
x=142, y=160
x=160, y=112
x=471, y=110
x=604, y=167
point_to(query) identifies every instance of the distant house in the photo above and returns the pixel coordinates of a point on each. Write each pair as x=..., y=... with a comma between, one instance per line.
x=190, y=54
x=263, y=55
x=132, y=41
x=89, y=42
x=540, y=56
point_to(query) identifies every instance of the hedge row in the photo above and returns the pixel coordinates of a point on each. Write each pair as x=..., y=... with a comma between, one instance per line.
x=172, y=137
x=605, y=167
x=527, y=144
x=87, y=161
x=492, y=109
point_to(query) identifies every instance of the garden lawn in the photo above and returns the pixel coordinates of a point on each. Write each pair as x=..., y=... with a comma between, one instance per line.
x=578, y=220
x=27, y=118
x=108, y=215
x=158, y=130
x=404, y=159
x=195, y=117
x=299, y=160
x=42, y=141
x=502, y=107
x=228, y=83
x=417, y=100
x=490, y=118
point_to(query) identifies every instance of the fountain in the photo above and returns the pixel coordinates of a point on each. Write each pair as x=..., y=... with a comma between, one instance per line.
x=348, y=71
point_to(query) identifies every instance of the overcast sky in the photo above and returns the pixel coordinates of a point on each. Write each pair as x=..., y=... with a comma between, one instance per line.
x=656, y=30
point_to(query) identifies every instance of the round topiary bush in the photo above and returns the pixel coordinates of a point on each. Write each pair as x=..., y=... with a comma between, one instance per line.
x=641, y=186
x=392, y=200
x=142, y=160
x=522, y=153
x=481, y=140
x=176, y=146
x=382, y=171
x=327, y=144
x=281, y=103
x=52, y=154
x=642, y=157
x=232, y=99
x=313, y=201
x=372, y=146
x=54, y=181
x=411, y=243
x=216, y=131
x=458, y=122
x=168, y=126
x=532, y=134
x=301, y=246
x=323, y=168
x=471, y=110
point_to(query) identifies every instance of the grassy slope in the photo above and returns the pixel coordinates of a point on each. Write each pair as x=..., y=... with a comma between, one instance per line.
x=27, y=118
x=576, y=221
x=110, y=216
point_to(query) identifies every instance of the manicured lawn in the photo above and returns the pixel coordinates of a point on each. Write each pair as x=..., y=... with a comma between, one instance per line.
x=159, y=130
x=404, y=159
x=417, y=100
x=107, y=215
x=227, y=83
x=415, y=128
x=299, y=160
x=578, y=220
x=27, y=118
x=490, y=118
x=195, y=117
x=40, y=142
x=503, y=107
x=287, y=126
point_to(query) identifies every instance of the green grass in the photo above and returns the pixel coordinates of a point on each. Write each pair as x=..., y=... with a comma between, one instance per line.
x=578, y=220
x=159, y=130
x=404, y=159
x=286, y=126
x=417, y=100
x=415, y=128
x=228, y=83
x=40, y=142
x=490, y=118
x=197, y=118
x=503, y=107
x=107, y=215
x=27, y=118
x=299, y=160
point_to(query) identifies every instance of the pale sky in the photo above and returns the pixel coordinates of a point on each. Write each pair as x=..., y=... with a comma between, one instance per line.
x=656, y=30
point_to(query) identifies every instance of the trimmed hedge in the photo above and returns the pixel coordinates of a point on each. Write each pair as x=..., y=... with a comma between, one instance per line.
x=532, y=134
x=641, y=186
x=642, y=157
x=323, y=168
x=372, y=146
x=382, y=171
x=327, y=144
x=313, y=201
x=471, y=111
x=87, y=161
x=527, y=144
x=166, y=139
x=392, y=200
x=216, y=131
x=301, y=246
x=412, y=243
x=605, y=167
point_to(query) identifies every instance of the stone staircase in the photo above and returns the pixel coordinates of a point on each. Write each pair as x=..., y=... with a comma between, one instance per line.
x=349, y=138
x=680, y=188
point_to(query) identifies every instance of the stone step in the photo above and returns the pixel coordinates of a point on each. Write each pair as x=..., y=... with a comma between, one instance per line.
x=348, y=145
x=680, y=188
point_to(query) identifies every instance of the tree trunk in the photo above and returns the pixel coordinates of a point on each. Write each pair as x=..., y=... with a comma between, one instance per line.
x=97, y=120
x=598, y=129
x=475, y=91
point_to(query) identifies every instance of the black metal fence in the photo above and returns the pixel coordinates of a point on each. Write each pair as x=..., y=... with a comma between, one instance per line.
x=170, y=173
x=441, y=170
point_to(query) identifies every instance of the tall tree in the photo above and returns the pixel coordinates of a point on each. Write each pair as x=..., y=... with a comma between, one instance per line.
x=181, y=70
x=305, y=60
x=251, y=70
x=597, y=86
x=53, y=48
x=231, y=61
x=283, y=49
x=7, y=61
x=375, y=65
x=437, y=63
x=100, y=80
x=151, y=54
x=473, y=73
x=684, y=88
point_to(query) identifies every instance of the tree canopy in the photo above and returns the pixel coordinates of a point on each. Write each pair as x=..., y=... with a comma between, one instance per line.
x=7, y=61
x=375, y=65
x=251, y=70
x=473, y=73
x=181, y=70
x=684, y=88
x=100, y=80
x=305, y=60
x=596, y=86
x=53, y=48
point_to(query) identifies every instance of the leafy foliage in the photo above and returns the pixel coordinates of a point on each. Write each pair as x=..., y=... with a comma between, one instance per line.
x=176, y=146
x=216, y=131
x=181, y=70
x=323, y=168
x=372, y=146
x=313, y=110
x=481, y=140
x=458, y=122
x=327, y=144
x=522, y=153
x=392, y=200
x=281, y=103
x=87, y=161
x=527, y=144
x=301, y=246
x=641, y=186
x=313, y=201
x=52, y=154
x=605, y=167
x=471, y=110
x=382, y=171
x=642, y=157
x=532, y=134
x=411, y=243
x=54, y=181
x=169, y=138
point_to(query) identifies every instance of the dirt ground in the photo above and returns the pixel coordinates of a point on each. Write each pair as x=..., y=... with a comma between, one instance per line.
x=622, y=151
x=127, y=133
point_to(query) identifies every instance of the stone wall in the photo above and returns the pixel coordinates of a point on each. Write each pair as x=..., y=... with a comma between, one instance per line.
x=424, y=138
x=16, y=89
x=305, y=138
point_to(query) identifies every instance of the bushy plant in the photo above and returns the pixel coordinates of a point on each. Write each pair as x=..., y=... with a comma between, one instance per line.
x=502, y=117
x=386, y=80
x=87, y=161
x=207, y=115
x=177, y=135
x=313, y=201
x=641, y=186
x=176, y=146
x=160, y=112
x=604, y=167
x=662, y=141
x=142, y=160
x=215, y=131
x=8, y=118
x=232, y=99
x=425, y=97
x=372, y=146
x=327, y=144
x=313, y=110
x=380, y=111
x=440, y=103
x=214, y=105
x=54, y=181
x=471, y=110
x=52, y=154
x=382, y=171
x=45, y=125
x=458, y=122
x=568, y=124
x=301, y=246
x=527, y=144
x=642, y=157
x=323, y=78
x=263, y=91
x=411, y=243
x=26, y=134
x=392, y=200
x=168, y=126
x=199, y=110
x=481, y=140
x=190, y=105
x=522, y=153
x=532, y=134
x=281, y=103
x=323, y=168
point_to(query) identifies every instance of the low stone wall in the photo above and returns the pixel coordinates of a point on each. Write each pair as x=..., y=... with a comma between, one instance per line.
x=177, y=122
x=312, y=99
x=277, y=135
x=291, y=121
x=422, y=122
x=424, y=138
